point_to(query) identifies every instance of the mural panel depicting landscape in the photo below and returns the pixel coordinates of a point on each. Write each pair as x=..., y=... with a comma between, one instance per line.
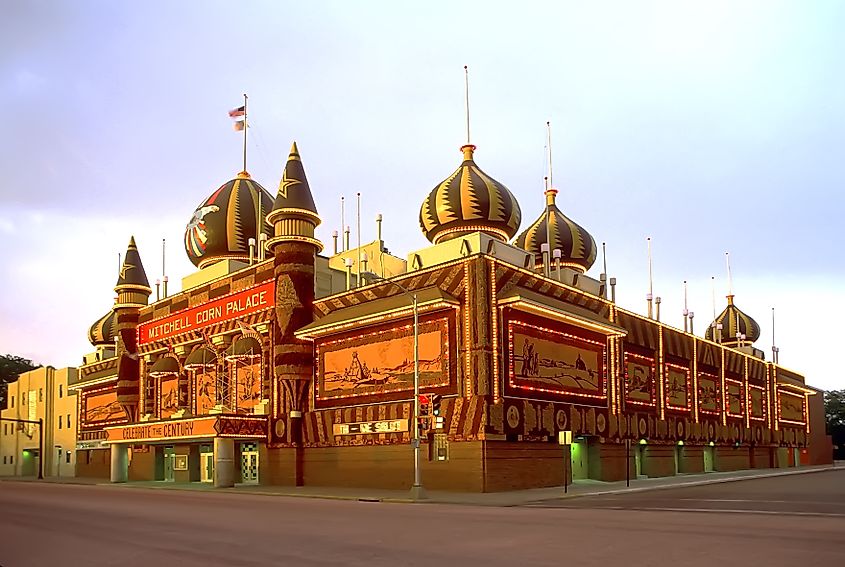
x=379, y=366
x=554, y=365
x=102, y=407
x=708, y=393
x=639, y=380
x=169, y=396
x=677, y=395
x=757, y=403
x=205, y=392
x=791, y=407
x=734, y=399
x=248, y=378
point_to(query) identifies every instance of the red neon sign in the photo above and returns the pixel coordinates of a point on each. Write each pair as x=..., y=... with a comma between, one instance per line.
x=217, y=310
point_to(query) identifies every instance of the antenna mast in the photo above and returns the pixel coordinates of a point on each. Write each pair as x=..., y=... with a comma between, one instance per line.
x=650, y=294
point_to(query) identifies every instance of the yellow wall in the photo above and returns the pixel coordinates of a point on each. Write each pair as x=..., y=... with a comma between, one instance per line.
x=52, y=402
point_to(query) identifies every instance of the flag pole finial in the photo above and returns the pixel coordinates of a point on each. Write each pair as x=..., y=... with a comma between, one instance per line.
x=245, y=128
x=466, y=96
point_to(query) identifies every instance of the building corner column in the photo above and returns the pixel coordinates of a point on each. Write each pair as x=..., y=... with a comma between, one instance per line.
x=224, y=462
x=119, y=462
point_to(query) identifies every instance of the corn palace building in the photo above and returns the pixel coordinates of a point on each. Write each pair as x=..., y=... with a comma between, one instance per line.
x=279, y=365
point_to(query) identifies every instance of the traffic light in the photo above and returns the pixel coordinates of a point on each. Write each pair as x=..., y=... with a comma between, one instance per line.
x=424, y=401
x=439, y=419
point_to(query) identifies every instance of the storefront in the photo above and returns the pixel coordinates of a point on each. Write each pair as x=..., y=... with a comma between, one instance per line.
x=220, y=449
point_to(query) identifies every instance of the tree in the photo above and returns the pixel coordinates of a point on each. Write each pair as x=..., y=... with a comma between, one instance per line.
x=834, y=414
x=11, y=367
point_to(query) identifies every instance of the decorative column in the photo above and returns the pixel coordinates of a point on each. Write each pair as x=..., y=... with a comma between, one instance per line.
x=294, y=248
x=224, y=462
x=133, y=292
x=119, y=462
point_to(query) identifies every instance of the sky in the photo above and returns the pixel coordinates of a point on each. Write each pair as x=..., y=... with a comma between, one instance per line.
x=710, y=127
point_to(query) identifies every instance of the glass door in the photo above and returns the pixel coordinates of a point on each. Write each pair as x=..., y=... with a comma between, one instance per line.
x=206, y=464
x=249, y=462
x=169, y=461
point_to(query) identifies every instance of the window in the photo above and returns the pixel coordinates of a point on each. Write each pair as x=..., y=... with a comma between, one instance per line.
x=67, y=457
x=60, y=390
x=68, y=421
x=11, y=459
x=13, y=401
x=4, y=459
x=40, y=394
x=60, y=422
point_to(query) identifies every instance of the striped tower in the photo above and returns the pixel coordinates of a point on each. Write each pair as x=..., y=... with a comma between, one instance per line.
x=294, y=248
x=133, y=292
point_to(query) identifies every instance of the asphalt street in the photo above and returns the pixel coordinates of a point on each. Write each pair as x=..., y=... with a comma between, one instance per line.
x=69, y=525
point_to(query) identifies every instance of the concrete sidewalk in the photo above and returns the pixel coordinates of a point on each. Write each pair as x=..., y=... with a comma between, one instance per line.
x=513, y=498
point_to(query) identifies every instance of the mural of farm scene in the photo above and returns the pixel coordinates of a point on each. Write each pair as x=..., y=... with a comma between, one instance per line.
x=548, y=361
x=248, y=380
x=791, y=407
x=383, y=362
x=169, y=397
x=639, y=379
x=102, y=408
x=677, y=380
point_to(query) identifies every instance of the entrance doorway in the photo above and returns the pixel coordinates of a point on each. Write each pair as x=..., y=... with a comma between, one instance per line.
x=580, y=459
x=206, y=464
x=249, y=462
x=708, y=458
x=639, y=452
x=169, y=462
x=30, y=462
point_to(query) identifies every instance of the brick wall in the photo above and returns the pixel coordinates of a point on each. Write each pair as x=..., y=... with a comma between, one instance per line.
x=516, y=466
x=93, y=463
x=658, y=460
x=731, y=459
x=691, y=459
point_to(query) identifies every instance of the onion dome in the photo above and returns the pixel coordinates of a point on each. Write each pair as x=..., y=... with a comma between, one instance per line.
x=468, y=201
x=294, y=216
x=733, y=322
x=577, y=248
x=102, y=332
x=222, y=225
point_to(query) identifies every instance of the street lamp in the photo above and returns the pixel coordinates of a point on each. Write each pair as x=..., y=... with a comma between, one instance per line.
x=417, y=490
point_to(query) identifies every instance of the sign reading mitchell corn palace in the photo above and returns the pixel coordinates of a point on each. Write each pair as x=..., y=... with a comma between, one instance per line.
x=285, y=371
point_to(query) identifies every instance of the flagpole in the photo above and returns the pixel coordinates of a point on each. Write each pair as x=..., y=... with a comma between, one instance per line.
x=245, y=127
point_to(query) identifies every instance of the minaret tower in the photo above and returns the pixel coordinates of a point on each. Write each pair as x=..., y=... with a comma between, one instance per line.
x=294, y=248
x=133, y=292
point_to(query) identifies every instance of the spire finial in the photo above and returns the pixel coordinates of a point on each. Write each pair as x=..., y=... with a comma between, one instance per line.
x=730, y=278
x=466, y=93
x=549, y=139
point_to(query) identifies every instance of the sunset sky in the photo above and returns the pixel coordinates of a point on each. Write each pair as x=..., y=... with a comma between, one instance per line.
x=708, y=126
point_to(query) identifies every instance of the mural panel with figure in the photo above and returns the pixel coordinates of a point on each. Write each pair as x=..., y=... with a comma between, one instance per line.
x=553, y=361
x=205, y=390
x=677, y=387
x=709, y=399
x=734, y=398
x=383, y=362
x=169, y=397
x=248, y=380
x=639, y=379
x=102, y=407
x=758, y=410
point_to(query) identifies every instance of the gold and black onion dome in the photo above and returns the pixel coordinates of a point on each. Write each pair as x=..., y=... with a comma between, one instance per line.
x=468, y=201
x=102, y=332
x=733, y=319
x=222, y=224
x=577, y=247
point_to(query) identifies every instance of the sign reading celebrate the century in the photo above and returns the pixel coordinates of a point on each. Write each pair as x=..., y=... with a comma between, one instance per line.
x=215, y=311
